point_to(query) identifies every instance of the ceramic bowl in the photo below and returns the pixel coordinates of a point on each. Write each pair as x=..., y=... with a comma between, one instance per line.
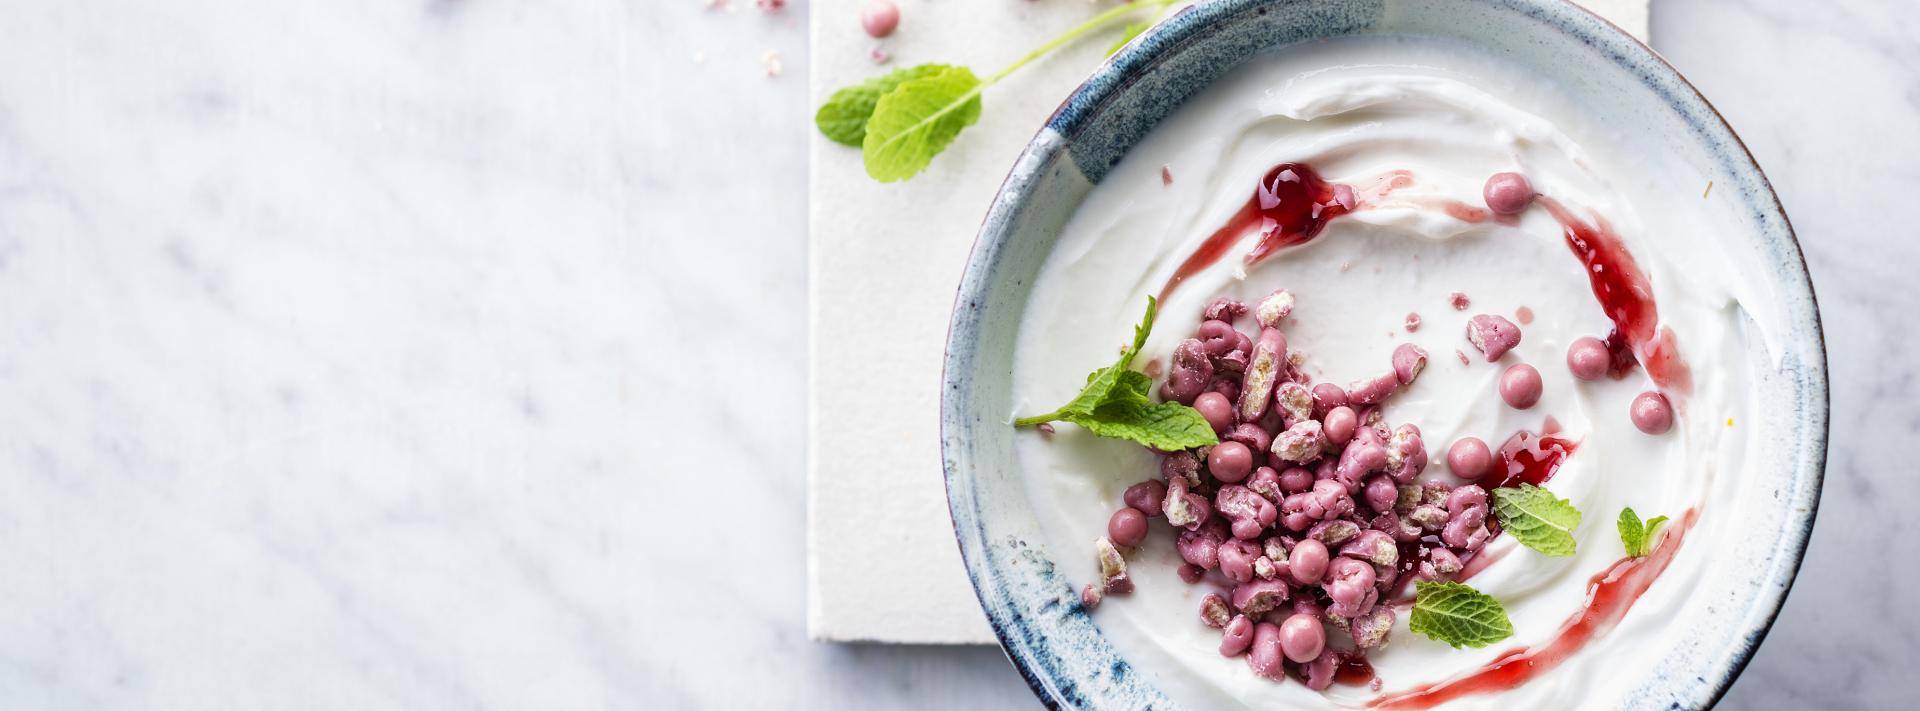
x=1036, y=613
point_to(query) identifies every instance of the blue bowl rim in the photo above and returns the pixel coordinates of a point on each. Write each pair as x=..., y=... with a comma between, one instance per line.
x=1171, y=35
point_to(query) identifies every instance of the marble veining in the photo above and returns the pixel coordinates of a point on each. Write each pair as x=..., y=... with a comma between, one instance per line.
x=448, y=354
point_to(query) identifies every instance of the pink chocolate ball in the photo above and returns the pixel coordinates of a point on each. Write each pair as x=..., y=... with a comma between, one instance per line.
x=1520, y=386
x=1588, y=358
x=1340, y=425
x=880, y=18
x=1217, y=409
x=1230, y=462
x=1302, y=638
x=1652, y=413
x=1128, y=527
x=1508, y=193
x=1308, y=561
x=1469, y=458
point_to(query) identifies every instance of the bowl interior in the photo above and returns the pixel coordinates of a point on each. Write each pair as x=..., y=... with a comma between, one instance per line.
x=1036, y=612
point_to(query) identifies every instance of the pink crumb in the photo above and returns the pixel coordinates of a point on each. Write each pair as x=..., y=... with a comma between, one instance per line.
x=1046, y=429
x=1166, y=175
x=1413, y=322
x=1459, y=301
x=880, y=18
x=771, y=5
x=878, y=55
x=1524, y=315
x=1462, y=355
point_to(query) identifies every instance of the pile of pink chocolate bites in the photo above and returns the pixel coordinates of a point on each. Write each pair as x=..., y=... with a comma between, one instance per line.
x=1308, y=511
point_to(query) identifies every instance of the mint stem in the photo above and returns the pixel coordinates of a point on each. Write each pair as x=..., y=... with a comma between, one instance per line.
x=1037, y=419
x=1093, y=24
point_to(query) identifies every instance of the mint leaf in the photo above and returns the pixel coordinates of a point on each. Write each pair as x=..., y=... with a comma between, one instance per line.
x=1458, y=615
x=1633, y=535
x=1115, y=404
x=1114, y=382
x=1537, y=518
x=1126, y=35
x=919, y=110
x=844, y=117
x=1166, y=426
x=917, y=120
x=1637, y=537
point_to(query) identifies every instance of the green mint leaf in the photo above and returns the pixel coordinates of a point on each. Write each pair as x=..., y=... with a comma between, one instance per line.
x=1133, y=30
x=844, y=117
x=1458, y=615
x=1633, y=535
x=1537, y=518
x=1140, y=333
x=1115, y=404
x=917, y=120
x=1105, y=384
x=1166, y=426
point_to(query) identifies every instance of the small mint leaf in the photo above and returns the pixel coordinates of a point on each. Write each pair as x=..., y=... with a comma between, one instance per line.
x=1115, y=403
x=917, y=120
x=1166, y=426
x=1106, y=384
x=843, y=119
x=1636, y=537
x=1633, y=535
x=1537, y=518
x=1458, y=615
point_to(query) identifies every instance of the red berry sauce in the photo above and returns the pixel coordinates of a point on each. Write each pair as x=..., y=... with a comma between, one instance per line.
x=1289, y=207
x=1609, y=595
x=1627, y=298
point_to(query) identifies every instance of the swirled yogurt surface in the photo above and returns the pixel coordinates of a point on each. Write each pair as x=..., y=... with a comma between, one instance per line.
x=1445, y=117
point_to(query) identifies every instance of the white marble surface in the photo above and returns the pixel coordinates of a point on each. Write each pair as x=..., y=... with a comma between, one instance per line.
x=446, y=354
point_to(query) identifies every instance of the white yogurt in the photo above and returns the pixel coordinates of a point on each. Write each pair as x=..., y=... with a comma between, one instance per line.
x=1355, y=109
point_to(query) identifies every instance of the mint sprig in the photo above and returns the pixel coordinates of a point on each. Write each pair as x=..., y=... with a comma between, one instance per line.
x=1537, y=518
x=902, y=119
x=917, y=120
x=1638, y=537
x=1114, y=404
x=844, y=117
x=1458, y=615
